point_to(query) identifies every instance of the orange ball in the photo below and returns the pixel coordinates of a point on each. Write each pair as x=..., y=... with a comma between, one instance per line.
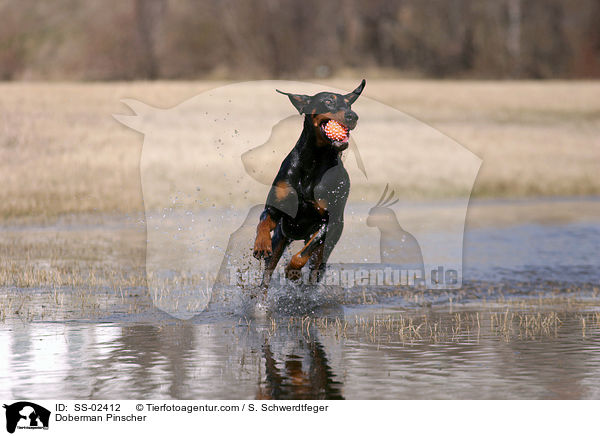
x=335, y=130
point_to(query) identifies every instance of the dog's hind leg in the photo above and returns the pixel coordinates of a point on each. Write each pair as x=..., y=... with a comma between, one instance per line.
x=316, y=265
x=334, y=232
x=318, y=259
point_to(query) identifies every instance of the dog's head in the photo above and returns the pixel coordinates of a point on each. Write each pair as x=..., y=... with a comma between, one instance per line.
x=330, y=114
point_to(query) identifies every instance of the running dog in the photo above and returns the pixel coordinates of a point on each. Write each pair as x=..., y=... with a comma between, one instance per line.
x=308, y=196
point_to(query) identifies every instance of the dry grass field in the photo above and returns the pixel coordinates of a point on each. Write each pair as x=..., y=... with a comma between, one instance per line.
x=61, y=152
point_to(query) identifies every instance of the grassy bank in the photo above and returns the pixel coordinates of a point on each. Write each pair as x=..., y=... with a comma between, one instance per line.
x=61, y=152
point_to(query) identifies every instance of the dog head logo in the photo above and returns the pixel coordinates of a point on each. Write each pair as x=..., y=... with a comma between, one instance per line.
x=26, y=415
x=208, y=161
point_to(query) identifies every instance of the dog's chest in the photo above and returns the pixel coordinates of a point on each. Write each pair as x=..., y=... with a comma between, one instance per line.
x=324, y=182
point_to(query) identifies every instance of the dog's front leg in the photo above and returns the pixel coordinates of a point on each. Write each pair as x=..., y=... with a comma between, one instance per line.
x=278, y=242
x=298, y=260
x=262, y=243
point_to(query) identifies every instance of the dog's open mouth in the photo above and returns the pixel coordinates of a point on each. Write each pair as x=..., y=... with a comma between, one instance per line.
x=337, y=133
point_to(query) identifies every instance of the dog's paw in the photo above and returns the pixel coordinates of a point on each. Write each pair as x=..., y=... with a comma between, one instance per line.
x=262, y=248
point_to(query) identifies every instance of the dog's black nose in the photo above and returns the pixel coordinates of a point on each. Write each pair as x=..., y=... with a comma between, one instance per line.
x=351, y=117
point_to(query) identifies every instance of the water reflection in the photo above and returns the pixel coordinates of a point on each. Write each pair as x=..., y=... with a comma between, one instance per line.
x=297, y=368
x=289, y=358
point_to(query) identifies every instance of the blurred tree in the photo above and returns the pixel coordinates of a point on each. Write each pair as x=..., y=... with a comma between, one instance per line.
x=151, y=39
x=513, y=40
x=13, y=33
x=149, y=15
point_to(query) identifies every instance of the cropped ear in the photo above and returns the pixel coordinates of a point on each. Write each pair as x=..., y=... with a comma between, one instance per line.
x=351, y=98
x=299, y=101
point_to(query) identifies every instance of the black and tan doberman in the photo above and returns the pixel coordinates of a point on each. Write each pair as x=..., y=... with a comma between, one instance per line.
x=307, y=199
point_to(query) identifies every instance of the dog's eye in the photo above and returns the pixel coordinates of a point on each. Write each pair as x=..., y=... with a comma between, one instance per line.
x=328, y=102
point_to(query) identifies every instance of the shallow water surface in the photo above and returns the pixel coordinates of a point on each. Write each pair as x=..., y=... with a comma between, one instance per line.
x=364, y=356
x=525, y=325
